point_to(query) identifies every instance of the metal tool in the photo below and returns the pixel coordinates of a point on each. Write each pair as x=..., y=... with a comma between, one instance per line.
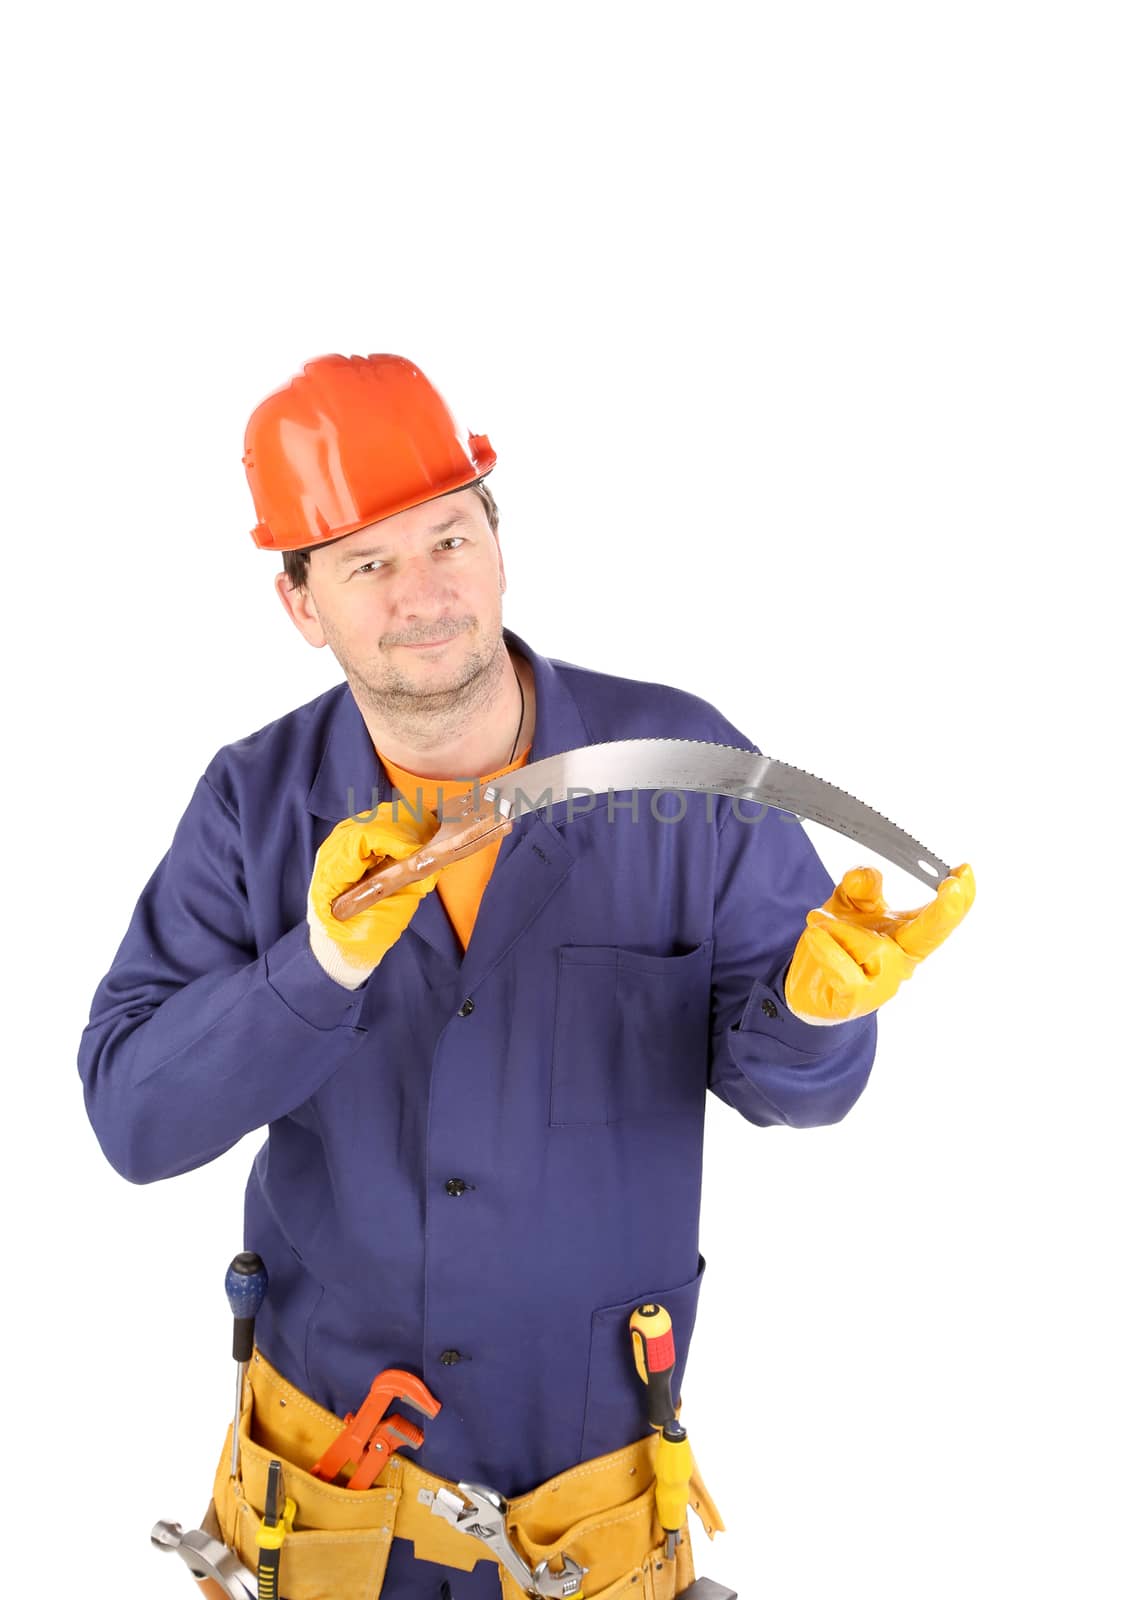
x=246, y=1284
x=208, y=1559
x=474, y=819
x=651, y=1330
x=706, y=1589
x=482, y=1514
x=370, y=1438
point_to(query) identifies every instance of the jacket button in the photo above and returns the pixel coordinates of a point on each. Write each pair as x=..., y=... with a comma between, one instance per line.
x=455, y=1186
x=450, y=1358
x=466, y=1007
x=768, y=1008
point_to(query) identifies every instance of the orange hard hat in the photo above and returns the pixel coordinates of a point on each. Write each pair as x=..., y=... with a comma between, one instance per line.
x=347, y=441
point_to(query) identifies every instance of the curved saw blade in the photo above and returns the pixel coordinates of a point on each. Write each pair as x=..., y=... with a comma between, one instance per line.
x=695, y=766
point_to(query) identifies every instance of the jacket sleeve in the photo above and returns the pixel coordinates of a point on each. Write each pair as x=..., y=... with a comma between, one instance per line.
x=195, y=1037
x=766, y=1063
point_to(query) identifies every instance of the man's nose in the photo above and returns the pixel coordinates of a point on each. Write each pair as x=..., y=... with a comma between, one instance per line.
x=418, y=589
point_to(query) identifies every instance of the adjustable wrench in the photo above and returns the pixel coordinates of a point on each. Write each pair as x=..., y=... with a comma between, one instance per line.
x=485, y=1518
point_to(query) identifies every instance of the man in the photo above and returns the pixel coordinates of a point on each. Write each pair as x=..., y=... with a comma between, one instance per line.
x=485, y=1095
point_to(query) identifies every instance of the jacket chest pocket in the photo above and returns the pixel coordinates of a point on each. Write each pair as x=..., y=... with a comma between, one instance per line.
x=631, y=1034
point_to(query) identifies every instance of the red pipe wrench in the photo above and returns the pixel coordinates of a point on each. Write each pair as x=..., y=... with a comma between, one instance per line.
x=370, y=1438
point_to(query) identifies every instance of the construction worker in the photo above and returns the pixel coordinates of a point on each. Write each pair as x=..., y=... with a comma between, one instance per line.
x=484, y=1096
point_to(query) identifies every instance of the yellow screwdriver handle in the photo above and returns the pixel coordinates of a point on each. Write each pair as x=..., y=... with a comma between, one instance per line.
x=651, y=1329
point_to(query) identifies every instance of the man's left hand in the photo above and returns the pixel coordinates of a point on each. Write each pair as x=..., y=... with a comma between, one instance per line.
x=855, y=953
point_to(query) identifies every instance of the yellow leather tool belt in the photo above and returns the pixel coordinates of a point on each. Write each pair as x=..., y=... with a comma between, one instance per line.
x=601, y=1512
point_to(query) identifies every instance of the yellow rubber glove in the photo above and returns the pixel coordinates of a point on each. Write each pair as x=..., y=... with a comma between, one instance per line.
x=855, y=953
x=349, y=951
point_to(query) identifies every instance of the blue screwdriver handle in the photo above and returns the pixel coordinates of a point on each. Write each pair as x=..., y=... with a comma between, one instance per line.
x=246, y=1284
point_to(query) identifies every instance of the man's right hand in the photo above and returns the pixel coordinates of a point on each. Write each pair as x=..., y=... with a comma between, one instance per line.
x=349, y=951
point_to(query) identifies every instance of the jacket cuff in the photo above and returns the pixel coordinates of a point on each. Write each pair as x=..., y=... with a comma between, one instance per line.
x=302, y=985
x=766, y=1013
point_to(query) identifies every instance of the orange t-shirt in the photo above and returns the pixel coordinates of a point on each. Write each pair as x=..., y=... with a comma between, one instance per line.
x=462, y=885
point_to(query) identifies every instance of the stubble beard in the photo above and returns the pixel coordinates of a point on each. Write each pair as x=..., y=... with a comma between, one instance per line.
x=421, y=714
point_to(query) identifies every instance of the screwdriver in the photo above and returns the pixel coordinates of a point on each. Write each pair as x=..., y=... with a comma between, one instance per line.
x=246, y=1284
x=278, y=1521
x=651, y=1329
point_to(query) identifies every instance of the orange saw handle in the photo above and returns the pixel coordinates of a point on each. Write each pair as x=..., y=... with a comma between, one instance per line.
x=467, y=823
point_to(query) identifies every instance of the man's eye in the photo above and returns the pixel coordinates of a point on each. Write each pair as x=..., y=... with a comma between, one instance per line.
x=367, y=567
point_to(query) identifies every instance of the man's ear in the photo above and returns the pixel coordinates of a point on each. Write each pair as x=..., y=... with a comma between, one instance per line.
x=300, y=608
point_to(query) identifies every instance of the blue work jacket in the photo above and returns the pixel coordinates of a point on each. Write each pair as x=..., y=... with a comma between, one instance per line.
x=478, y=1163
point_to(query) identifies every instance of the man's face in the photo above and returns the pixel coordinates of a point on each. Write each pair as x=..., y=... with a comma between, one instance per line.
x=411, y=606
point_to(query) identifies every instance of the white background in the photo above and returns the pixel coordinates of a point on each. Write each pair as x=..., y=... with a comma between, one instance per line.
x=811, y=340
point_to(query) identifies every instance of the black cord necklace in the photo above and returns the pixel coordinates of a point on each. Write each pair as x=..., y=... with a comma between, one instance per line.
x=521, y=714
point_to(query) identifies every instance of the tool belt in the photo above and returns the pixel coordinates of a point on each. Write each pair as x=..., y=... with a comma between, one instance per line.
x=601, y=1512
